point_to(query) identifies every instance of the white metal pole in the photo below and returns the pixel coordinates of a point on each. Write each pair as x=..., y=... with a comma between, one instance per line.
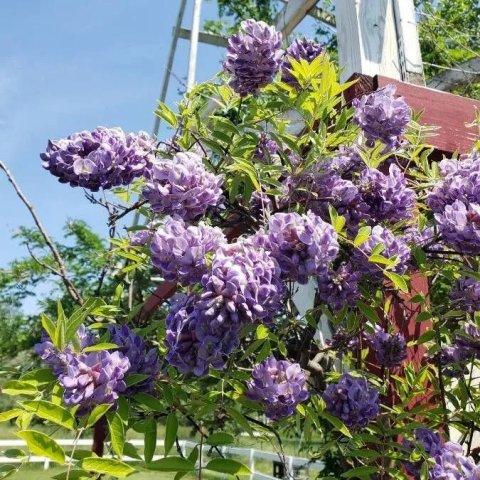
x=192, y=60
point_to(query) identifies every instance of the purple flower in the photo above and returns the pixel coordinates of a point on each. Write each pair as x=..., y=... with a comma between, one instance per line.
x=381, y=116
x=430, y=442
x=392, y=247
x=452, y=464
x=253, y=57
x=390, y=349
x=343, y=341
x=279, y=385
x=466, y=294
x=266, y=149
x=243, y=286
x=352, y=400
x=142, y=361
x=180, y=252
x=58, y=360
x=303, y=245
x=459, y=226
x=339, y=287
x=182, y=186
x=304, y=49
x=103, y=158
x=420, y=238
x=468, y=341
x=194, y=342
x=387, y=196
x=346, y=161
x=94, y=378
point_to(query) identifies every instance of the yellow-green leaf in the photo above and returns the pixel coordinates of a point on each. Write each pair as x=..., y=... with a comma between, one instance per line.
x=41, y=444
x=50, y=411
x=108, y=466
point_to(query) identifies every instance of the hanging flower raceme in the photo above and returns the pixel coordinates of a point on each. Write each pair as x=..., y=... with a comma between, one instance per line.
x=142, y=361
x=182, y=186
x=303, y=245
x=343, y=341
x=243, y=286
x=94, y=378
x=455, y=202
x=194, y=342
x=103, y=158
x=465, y=295
x=452, y=464
x=304, y=49
x=392, y=246
x=429, y=441
x=381, y=116
x=58, y=360
x=387, y=196
x=279, y=385
x=390, y=349
x=254, y=56
x=345, y=163
x=179, y=251
x=352, y=400
x=339, y=287
x=266, y=150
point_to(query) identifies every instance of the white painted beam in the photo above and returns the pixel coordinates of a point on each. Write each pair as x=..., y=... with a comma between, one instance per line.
x=205, y=37
x=379, y=37
x=292, y=14
x=462, y=74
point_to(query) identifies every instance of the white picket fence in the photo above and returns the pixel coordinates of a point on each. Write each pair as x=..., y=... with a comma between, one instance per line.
x=292, y=463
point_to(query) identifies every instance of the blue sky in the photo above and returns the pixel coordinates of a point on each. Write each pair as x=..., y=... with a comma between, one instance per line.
x=67, y=66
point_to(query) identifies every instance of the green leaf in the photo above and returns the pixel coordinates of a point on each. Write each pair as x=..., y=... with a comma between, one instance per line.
x=150, y=439
x=360, y=472
x=41, y=444
x=149, y=401
x=166, y=114
x=362, y=236
x=18, y=387
x=59, y=340
x=171, y=464
x=240, y=419
x=171, y=430
x=48, y=326
x=399, y=282
x=7, y=471
x=39, y=376
x=426, y=337
x=97, y=413
x=226, y=465
x=79, y=316
x=107, y=466
x=117, y=434
x=368, y=311
x=336, y=422
x=338, y=222
x=9, y=414
x=51, y=412
x=131, y=451
x=72, y=475
x=220, y=438
x=135, y=378
x=100, y=346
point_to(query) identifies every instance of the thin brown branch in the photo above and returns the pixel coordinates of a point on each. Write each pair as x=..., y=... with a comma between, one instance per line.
x=72, y=291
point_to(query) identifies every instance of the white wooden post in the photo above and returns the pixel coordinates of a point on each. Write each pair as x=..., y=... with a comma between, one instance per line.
x=378, y=37
x=46, y=464
x=251, y=462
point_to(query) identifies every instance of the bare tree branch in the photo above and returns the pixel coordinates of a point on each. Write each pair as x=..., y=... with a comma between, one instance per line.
x=62, y=271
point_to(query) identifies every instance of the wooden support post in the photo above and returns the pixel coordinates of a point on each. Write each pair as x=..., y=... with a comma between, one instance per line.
x=378, y=36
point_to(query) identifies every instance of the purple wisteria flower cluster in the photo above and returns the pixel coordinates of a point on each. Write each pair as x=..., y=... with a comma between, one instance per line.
x=352, y=400
x=390, y=349
x=455, y=201
x=429, y=441
x=303, y=245
x=382, y=116
x=180, y=251
x=339, y=287
x=392, y=248
x=301, y=48
x=182, y=186
x=93, y=378
x=103, y=158
x=387, y=196
x=254, y=56
x=266, y=149
x=194, y=342
x=242, y=286
x=343, y=341
x=465, y=294
x=142, y=361
x=279, y=385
